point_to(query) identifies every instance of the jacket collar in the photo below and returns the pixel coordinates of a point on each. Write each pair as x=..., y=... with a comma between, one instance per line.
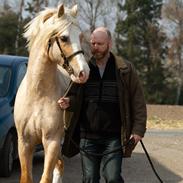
x=121, y=64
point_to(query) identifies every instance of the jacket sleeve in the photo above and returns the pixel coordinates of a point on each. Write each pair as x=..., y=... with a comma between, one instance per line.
x=72, y=94
x=138, y=105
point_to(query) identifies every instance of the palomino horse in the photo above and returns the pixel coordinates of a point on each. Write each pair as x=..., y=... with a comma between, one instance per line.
x=53, y=38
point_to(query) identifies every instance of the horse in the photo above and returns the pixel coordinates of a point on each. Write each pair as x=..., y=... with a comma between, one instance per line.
x=55, y=58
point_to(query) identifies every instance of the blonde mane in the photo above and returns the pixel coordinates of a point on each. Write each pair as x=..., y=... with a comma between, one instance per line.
x=47, y=24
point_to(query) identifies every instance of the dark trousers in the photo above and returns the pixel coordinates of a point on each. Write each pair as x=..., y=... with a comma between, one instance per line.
x=109, y=165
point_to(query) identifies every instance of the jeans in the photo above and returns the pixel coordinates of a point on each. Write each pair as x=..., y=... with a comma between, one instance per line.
x=109, y=165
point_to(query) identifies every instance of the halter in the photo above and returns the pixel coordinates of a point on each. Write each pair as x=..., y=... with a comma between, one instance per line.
x=66, y=64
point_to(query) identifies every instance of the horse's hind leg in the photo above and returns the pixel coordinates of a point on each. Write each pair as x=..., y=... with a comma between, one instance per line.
x=25, y=151
x=52, y=150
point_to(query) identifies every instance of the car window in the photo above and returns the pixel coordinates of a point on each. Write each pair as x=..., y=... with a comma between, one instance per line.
x=5, y=75
x=21, y=73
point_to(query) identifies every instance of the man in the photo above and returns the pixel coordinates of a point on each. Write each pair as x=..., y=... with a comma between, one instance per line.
x=110, y=110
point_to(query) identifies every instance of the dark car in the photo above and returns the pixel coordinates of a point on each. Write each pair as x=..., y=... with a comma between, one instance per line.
x=12, y=71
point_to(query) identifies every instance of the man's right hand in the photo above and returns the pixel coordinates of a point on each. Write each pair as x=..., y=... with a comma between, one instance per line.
x=64, y=102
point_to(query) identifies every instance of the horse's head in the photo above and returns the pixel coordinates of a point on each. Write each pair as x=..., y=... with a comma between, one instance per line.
x=59, y=30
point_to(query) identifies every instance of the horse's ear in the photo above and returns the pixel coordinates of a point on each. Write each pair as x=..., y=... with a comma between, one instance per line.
x=60, y=10
x=74, y=10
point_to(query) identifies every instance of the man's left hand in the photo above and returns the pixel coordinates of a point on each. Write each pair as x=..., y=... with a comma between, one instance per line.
x=136, y=137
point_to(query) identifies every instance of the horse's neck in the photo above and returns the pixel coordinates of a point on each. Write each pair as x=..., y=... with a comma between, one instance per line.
x=41, y=73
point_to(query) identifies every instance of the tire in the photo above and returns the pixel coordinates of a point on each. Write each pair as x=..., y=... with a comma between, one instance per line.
x=8, y=155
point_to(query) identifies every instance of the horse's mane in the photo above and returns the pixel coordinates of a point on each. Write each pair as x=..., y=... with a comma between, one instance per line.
x=47, y=23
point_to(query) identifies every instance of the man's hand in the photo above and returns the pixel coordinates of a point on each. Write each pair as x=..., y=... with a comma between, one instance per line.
x=64, y=102
x=136, y=137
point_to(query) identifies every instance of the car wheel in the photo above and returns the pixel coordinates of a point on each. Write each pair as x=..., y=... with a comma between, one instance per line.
x=8, y=155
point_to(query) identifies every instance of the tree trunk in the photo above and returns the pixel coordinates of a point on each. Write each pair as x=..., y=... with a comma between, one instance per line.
x=46, y=3
x=18, y=27
x=179, y=87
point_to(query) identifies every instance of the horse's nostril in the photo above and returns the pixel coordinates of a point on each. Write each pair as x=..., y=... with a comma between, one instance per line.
x=81, y=75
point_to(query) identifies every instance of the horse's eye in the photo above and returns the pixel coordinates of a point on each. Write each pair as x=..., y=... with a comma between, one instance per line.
x=64, y=38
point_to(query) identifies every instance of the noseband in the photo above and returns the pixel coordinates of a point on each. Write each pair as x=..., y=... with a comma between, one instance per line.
x=66, y=64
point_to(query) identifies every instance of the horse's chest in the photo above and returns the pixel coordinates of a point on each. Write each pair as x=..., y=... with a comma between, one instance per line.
x=43, y=115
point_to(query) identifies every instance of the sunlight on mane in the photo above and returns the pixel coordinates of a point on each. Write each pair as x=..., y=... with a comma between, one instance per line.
x=46, y=24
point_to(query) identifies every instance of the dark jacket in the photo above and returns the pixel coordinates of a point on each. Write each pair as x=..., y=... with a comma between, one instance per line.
x=132, y=108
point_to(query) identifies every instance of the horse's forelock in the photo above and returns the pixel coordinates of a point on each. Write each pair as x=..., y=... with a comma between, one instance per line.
x=47, y=23
x=35, y=25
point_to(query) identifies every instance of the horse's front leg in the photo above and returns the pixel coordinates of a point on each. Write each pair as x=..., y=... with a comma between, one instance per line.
x=25, y=151
x=52, y=151
x=58, y=171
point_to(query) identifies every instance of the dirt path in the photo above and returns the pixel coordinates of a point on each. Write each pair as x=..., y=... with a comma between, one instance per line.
x=165, y=149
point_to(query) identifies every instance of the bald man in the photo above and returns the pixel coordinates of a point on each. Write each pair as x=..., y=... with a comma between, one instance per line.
x=109, y=111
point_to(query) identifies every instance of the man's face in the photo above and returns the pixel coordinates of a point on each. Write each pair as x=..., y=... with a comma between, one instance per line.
x=100, y=45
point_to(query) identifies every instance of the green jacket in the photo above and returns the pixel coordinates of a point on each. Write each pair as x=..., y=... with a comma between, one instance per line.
x=132, y=108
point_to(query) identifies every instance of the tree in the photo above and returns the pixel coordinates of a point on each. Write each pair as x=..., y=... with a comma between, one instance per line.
x=20, y=19
x=98, y=12
x=173, y=12
x=34, y=7
x=8, y=32
x=140, y=40
x=11, y=40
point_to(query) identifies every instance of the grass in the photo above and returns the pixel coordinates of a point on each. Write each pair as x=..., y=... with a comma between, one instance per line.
x=158, y=123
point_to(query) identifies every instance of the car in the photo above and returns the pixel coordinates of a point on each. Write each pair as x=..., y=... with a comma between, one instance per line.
x=12, y=71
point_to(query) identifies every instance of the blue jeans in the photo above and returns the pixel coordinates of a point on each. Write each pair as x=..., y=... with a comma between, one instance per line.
x=109, y=165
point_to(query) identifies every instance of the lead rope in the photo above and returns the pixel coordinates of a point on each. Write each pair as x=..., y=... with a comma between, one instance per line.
x=68, y=88
x=149, y=159
x=143, y=146
x=65, y=94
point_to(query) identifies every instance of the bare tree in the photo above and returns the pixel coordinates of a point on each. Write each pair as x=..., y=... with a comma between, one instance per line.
x=46, y=3
x=93, y=12
x=173, y=11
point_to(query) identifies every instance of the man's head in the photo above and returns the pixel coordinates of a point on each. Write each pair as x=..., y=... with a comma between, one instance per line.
x=101, y=42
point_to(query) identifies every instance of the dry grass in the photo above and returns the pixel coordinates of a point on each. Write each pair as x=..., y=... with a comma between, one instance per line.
x=164, y=124
x=165, y=117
